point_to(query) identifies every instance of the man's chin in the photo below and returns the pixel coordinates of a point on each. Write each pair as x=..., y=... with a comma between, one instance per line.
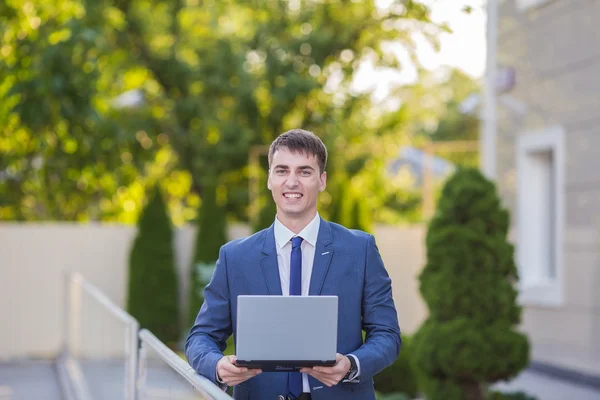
x=293, y=212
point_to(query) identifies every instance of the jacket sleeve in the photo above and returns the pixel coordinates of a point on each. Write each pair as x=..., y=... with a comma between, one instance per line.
x=380, y=319
x=207, y=339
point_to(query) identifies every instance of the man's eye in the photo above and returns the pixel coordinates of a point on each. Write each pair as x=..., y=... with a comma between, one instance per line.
x=280, y=171
x=305, y=173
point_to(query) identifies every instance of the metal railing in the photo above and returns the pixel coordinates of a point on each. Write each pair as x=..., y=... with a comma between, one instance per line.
x=105, y=355
x=154, y=381
x=91, y=349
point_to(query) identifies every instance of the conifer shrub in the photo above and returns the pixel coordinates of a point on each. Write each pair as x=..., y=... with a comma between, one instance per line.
x=469, y=339
x=399, y=377
x=210, y=236
x=152, y=295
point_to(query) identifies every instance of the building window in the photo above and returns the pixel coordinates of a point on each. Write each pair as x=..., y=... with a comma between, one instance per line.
x=523, y=5
x=540, y=225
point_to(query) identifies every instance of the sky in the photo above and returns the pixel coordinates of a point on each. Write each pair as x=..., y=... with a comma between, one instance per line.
x=464, y=48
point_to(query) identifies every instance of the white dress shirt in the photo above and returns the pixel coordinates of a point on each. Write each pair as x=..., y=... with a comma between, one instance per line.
x=283, y=237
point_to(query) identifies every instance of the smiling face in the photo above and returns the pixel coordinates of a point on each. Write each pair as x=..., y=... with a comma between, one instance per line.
x=295, y=181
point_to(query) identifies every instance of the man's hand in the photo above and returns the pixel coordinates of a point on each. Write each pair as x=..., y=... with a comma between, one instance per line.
x=232, y=375
x=330, y=376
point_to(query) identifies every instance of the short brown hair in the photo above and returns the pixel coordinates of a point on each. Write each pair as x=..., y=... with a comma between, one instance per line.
x=299, y=140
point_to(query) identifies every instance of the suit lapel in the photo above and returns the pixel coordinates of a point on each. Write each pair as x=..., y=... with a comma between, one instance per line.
x=323, y=255
x=269, y=263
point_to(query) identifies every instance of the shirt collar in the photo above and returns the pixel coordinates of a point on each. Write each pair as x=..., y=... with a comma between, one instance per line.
x=310, y=232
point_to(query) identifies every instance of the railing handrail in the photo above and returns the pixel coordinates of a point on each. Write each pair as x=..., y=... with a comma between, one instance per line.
x=202, y=384
x=103, y=299
x=77, y=285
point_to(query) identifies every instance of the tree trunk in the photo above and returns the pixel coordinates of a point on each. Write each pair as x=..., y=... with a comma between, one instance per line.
x=472, y=390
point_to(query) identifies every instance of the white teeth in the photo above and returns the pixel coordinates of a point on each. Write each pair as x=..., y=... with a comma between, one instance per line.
x=292, y=195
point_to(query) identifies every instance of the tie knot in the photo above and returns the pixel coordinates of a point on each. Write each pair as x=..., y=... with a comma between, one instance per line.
x=296, y=241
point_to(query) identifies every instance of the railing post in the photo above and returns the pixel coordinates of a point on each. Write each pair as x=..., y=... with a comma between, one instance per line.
x=75, y=297
x=131, y=355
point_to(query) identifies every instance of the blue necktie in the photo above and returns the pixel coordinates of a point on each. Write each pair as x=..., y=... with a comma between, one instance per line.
x=296, y=267
x=295, y=378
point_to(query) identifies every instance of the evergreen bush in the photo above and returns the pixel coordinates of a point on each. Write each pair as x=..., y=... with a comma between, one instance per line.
x=393, y=396
x=211, y=235
x=152, y=296
x=399, y=377
x=469, y=339
x=509, y=396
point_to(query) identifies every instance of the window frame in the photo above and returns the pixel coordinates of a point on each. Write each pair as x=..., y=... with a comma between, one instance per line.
x=524, y=5
x=551, y=292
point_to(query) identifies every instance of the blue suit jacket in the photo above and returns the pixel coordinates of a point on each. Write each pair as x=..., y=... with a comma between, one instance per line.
x=347, y=264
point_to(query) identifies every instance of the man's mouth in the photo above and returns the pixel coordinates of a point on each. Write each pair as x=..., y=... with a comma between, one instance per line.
x=292, y=195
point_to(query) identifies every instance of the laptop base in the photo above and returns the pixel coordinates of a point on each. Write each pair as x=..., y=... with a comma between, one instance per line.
x=282, y=366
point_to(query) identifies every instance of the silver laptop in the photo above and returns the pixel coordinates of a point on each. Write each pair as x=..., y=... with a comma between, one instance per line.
x=286, y=333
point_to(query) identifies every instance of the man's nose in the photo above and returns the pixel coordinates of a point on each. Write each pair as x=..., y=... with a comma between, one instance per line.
x=292, y=179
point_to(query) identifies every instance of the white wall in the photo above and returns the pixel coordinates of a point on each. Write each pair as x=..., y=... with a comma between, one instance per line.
x=553, y=50
x=35, y=257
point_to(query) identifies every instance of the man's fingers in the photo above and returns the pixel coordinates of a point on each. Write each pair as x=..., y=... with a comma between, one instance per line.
x=237, y=380
x=232, y=368
x=233, y=379
x=323, y=378
x=324, y=370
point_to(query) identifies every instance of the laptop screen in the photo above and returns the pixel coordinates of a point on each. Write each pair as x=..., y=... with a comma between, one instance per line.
x=281, y=328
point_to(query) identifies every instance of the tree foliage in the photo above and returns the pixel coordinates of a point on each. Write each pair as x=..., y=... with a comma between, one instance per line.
x=67, y=153
x=470, y=338
x=433, y=110
x=214, y=78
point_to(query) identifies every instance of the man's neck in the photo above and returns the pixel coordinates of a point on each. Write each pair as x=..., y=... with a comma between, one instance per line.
x=296, y=224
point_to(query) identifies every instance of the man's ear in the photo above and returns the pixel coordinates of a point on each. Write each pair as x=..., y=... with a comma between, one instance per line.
x=323, y=181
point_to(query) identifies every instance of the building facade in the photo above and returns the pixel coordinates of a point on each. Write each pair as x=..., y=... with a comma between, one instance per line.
x=548, y=172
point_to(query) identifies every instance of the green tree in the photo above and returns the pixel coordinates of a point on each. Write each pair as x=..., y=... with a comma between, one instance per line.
x=433, y=108
x=453, y=123
x=258, y=70
x=152, y=290
x=400, y=377
x=211, y=235
x=214, y=78
x=64, y=148
x=469, y=339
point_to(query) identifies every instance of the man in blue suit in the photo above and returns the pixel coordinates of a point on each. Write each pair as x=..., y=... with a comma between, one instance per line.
x=334, y=261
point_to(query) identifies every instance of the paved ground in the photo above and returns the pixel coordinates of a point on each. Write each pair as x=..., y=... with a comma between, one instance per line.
x=547, y=388
x=29, y=380
x=37, y=380
x=106, y=381
x=33, y=380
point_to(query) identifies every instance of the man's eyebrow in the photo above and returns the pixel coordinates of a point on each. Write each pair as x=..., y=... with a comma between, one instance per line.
x=287, y=167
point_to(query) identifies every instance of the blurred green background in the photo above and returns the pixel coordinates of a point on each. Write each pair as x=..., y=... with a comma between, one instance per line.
x=102, y=100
